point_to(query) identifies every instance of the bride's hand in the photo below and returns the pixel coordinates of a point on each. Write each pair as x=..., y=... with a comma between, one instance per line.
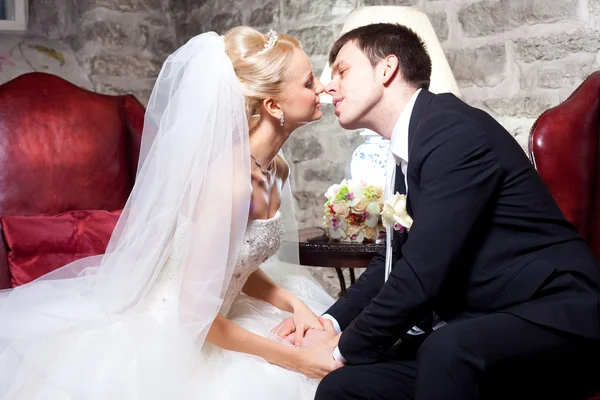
x=286, y=330
x=318, y=361
x=304, y=319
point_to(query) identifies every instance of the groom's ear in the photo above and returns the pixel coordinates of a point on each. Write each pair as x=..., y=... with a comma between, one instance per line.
x=272, y=108
x=390, y=68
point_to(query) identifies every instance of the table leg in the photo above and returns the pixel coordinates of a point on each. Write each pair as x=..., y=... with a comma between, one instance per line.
x=342, y=281
x=352, y=276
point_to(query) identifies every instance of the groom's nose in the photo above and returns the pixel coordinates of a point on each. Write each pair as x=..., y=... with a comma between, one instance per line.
x=331, y=87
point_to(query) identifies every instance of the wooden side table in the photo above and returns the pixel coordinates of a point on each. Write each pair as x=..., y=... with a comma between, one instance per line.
x=318, y=251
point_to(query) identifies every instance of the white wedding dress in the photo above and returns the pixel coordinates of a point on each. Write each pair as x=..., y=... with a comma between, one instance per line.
x=83, y=362
x=239, y=376
x=131, y=324
x=227, y=375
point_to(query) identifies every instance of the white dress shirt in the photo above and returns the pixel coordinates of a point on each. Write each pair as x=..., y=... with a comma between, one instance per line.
x=398, y=155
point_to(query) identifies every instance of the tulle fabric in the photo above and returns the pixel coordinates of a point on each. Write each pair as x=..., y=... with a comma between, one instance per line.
x=101, y=327
x=229, y=375
x=80, y=332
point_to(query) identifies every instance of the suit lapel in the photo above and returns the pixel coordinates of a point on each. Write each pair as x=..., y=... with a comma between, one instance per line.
x=423, y=100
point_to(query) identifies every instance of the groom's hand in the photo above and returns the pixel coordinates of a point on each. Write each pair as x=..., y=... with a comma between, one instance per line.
x=318, y=361
x=316, y=337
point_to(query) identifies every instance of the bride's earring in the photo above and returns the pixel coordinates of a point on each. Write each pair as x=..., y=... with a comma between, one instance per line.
x=281, y=120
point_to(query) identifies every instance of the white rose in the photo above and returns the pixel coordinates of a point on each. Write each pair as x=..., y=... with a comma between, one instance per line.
x=373, y=219
x=398, y=203
x=370, y=233
x=394, y=212
x=360, y=207
x=341, y=208
x=387, y=215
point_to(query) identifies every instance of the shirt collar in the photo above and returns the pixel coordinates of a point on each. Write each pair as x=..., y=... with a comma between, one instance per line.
x=399, y=138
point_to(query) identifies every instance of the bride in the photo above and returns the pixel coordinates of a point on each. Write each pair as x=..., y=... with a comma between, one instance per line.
x=177, y=307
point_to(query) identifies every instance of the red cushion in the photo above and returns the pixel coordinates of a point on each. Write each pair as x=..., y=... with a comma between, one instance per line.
x=40, y=244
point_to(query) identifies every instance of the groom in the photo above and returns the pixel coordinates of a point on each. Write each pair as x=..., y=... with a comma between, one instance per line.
x=514, y=289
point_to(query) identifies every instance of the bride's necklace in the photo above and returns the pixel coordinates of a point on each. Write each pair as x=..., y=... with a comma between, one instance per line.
x=263, y=169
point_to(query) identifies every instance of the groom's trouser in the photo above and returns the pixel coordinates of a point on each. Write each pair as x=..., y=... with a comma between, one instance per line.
x=497, y=356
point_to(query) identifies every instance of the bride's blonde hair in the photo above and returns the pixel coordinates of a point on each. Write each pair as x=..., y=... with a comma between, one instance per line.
x=261, y=75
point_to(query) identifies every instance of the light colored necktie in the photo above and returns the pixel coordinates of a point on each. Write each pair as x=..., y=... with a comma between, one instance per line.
x=389, y=187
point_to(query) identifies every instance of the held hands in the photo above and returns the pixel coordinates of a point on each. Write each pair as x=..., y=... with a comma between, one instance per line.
x=311, y=337
x=313, y=355
x=315, y=337
x=293, y=329
x=305, y=319
x=318, y=361
x=286, y=330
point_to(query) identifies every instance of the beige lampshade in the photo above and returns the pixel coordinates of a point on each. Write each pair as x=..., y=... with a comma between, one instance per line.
x=442, y=79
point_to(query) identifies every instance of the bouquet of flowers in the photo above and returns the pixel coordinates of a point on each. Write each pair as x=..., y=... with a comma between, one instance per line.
x=353, y=211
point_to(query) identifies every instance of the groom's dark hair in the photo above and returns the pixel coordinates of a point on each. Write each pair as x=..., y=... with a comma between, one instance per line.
x=378, y=41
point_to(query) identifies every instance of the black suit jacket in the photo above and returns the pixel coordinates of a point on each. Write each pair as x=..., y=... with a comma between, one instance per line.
x=487, y=236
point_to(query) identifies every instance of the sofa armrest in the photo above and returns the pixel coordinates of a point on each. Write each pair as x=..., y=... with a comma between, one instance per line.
x=133, y=112
x=4, y=271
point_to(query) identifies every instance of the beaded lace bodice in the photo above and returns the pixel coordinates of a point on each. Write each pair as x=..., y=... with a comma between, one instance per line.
x=261, y=241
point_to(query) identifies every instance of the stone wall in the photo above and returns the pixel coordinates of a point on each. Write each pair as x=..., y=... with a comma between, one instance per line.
x=516, y=59
x=513, y=58
x=120, y=43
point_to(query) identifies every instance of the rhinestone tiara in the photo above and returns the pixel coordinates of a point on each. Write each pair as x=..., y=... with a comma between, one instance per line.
x=269, y=45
